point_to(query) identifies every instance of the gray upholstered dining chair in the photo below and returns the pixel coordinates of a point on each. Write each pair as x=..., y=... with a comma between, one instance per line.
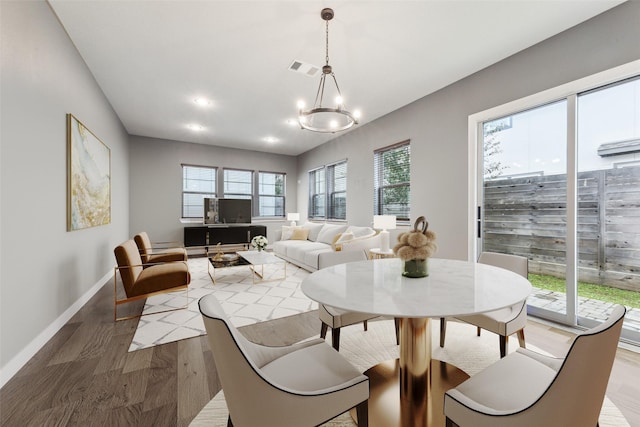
x=526, y=388
x=305, y=384
x=337, y=318
x=506, y=321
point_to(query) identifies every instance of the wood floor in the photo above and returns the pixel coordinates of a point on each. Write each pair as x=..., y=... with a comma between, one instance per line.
x=85, y=376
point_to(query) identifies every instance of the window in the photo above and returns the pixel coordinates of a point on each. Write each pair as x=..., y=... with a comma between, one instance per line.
x=238, y=184
x=392, y=180
x=271, y=194
x=198, y=182
x=337, y=190
x=317, y=188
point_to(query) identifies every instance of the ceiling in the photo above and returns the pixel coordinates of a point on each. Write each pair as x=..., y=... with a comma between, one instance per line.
x=153, y=58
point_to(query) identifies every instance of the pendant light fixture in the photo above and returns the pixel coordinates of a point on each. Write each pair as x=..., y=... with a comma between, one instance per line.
x=327, y=119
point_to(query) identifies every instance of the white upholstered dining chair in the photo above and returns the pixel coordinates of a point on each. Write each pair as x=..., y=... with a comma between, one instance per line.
x=506, y=321
x=526, y=388
x=304, y=384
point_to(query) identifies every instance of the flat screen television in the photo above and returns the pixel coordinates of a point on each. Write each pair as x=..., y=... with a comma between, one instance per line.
x=234, y=211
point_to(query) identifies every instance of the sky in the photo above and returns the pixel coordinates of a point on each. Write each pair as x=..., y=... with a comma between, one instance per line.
x=535, y=140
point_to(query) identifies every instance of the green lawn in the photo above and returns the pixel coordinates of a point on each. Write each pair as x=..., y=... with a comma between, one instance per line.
x=588, y=290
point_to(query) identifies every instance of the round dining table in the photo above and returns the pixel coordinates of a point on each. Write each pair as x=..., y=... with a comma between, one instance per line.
x=410, y=391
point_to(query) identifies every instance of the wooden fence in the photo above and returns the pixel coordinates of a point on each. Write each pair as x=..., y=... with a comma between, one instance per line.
x=528, y=217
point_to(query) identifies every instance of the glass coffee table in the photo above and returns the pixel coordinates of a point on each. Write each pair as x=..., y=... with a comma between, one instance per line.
x=251, y=258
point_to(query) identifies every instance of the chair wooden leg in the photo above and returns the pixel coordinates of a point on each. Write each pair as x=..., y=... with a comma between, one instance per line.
x=443, y=330
x=396, y=323
x=363, y=414
x=521, y=338
x=504, y=341
x=335, y=338
x=366, y=325
x=229, y=423
x=323, y=330
x=478, y=331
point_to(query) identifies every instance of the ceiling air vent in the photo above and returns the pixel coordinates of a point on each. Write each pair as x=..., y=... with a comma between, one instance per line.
x=304, y=68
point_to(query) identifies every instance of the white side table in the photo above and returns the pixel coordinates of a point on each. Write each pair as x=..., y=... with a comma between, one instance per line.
x=377, y=253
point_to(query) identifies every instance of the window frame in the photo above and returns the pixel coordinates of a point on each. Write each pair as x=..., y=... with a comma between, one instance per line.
x=379, y=186
x=330, y=180
x=184, y=192
x=259, y=194
x=313, y=185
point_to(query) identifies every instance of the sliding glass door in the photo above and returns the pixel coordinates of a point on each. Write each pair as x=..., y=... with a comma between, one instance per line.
x=524, y=190
x=608, y=164
x=560, y=185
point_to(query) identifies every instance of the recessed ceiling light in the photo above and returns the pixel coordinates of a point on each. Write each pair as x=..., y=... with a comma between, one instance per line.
x=270, y=139
x=195, y=127
x=202, y=101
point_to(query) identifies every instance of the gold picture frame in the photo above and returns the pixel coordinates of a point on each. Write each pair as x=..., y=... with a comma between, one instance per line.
x=88, y=178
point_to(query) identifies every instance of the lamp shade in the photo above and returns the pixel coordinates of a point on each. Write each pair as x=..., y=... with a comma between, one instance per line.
x=384, y=222
x=293, y=216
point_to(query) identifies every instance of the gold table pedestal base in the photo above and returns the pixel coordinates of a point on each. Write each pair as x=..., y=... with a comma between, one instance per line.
x=384, y=393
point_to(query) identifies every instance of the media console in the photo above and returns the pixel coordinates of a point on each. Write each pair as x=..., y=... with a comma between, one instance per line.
x=227, y=234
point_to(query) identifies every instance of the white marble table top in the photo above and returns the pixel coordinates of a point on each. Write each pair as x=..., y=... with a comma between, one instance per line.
x=453, y=288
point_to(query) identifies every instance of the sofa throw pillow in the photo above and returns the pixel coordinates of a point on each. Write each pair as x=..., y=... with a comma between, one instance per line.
x=287, y=232
x=339, y=239
x=328, y=232
x=314, y=229
x=300, y=233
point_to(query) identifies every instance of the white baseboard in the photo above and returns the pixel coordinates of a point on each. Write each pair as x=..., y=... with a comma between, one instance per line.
x=14, y=365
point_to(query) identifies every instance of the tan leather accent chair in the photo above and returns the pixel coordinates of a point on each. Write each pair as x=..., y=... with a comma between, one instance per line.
x=527, y=388
x=168, y=252
x=140, y=282
x=305, y=384
x=506, y=321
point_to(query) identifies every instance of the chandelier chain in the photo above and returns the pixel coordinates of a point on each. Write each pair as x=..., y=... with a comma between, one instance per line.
x=327, y=42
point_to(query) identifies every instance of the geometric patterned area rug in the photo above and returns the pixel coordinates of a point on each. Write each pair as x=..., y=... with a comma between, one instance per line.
x=243, y=301
x=366, y=349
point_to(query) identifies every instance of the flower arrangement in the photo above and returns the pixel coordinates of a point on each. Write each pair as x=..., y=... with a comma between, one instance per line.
x=259, y=242
x=415, y=247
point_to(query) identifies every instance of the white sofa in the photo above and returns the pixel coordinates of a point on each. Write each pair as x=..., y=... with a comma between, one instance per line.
x=313, y=246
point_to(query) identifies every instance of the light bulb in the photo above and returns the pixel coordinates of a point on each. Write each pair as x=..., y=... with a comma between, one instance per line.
x=357, y=114
x=339, y=100
x=333, y=124
x=301, y=104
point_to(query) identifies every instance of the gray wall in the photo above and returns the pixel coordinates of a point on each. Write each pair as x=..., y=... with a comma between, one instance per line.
x=45, y=269
x=437, y=123
x=155, y=183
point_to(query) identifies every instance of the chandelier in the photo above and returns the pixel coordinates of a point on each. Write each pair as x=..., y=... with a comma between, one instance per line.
x=326, y=119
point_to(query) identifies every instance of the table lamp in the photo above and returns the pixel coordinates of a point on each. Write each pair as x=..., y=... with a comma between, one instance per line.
x=293, y=217
x=384, y=222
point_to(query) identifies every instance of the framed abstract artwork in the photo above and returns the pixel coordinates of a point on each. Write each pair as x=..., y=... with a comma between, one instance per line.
x=88, y=178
